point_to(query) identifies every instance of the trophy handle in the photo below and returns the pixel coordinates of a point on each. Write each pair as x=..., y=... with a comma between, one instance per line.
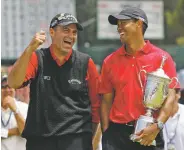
x=140, y=79
x=177, y=81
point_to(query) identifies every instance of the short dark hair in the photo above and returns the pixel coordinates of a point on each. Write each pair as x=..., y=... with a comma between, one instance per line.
x=178, y=90
x=144, y=26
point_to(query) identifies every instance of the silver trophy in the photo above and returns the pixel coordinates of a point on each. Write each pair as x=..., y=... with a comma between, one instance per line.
x=155, y=93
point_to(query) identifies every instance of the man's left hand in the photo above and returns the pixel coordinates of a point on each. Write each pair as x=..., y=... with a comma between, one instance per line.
x=148, y=135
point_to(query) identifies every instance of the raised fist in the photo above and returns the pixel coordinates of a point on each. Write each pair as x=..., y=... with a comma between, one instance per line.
x=38, y=39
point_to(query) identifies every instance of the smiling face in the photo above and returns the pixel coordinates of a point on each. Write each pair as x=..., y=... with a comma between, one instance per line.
x=64, y=37
x=128, y=30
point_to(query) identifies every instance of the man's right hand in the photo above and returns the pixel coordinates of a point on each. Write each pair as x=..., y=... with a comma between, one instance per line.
x=38, y=40
x=10, y=103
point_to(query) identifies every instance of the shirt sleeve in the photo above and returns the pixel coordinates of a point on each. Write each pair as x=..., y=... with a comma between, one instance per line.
x=105, y=84
x=92, y=77
x=170, y=70
x=32, y=68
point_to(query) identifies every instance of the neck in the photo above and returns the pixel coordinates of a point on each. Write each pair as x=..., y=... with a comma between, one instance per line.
x=136, y=45
x=175, y=109
x=58, y=52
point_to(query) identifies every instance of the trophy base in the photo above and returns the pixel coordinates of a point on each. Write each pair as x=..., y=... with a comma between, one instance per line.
x=142, y=123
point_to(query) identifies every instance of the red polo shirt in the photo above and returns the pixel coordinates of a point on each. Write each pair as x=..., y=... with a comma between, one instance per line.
x=92, y=78
x=120, y=74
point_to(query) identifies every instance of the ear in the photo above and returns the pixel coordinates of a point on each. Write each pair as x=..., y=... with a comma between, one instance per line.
x=52, y=32
x=178, y=95
x=139, y=23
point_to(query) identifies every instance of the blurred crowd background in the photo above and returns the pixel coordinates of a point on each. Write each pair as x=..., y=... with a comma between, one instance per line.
x=21, y=19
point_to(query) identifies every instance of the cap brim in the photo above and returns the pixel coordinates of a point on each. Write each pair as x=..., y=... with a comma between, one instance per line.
x=113, y=19
x=79, y=26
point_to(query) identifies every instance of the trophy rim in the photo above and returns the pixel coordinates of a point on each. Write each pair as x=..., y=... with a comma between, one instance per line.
x=159, y=77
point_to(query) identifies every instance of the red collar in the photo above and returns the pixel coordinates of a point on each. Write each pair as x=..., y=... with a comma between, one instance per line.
x=57, y=60
x=145, y=49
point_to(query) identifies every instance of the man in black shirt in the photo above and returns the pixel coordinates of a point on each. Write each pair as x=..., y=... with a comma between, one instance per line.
x=63, y=96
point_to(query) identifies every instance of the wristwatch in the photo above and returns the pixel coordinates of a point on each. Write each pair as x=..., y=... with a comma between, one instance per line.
x=160, y=124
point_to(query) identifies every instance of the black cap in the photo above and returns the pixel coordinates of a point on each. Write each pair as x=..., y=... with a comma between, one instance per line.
x=65, y=19
x=128, y=13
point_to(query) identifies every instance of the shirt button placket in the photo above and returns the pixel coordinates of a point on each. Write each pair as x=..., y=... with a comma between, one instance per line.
x=133, y=61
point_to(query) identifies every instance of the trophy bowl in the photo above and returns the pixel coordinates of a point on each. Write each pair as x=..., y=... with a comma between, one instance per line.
x=155, y=93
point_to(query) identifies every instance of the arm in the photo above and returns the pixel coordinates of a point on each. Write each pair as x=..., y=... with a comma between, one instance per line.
x=13, y=131
x=5, y=133
x=105, y=110
x=106, y=89
x=20, y=122
x=93, y=93
x=149, y=134
x=10, y=103
x=18, y=73
x=97, y=137
x=166, y=109
x=94, y=128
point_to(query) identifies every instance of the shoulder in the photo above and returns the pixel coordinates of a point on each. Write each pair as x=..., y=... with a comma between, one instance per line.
x=81, y=54
x=159, y=51
x=81, y=57
x=42, y=51
x=43, y=56
x=113, y=56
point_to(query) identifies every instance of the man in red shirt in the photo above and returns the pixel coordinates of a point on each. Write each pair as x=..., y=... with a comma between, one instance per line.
x=64, y=102
x=122, y=101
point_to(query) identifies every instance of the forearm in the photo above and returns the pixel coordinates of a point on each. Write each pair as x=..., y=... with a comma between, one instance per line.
x=17, y=74
x=166, y=109
x=20, y=122
x=13, y=131
x=94, y=127
x=104, y=114
x=97, y=136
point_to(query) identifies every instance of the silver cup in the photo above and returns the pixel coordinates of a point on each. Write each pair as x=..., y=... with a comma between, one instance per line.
x=155, y=93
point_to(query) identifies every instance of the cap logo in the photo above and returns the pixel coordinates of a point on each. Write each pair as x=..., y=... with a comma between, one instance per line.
x=61, y=17
x=67, y=17
x=64, y=17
